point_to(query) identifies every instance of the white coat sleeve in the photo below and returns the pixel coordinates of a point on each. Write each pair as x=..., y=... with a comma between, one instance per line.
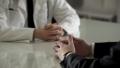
x=11, y=33
x=67, y=17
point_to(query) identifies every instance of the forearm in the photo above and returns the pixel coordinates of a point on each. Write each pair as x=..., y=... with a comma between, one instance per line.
x=75, y=61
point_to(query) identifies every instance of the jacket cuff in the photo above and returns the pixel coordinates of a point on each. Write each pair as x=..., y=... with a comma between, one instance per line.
x=29, y=34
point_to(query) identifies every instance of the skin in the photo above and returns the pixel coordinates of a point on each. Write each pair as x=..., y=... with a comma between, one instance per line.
x=64, y=45
x=50, y=32
x=67, y=44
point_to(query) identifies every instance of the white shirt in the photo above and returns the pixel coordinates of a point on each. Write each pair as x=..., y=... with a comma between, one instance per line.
x=13, y=15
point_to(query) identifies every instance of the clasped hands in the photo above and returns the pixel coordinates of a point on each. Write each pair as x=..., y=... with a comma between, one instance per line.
x=64, y=44
x=51, y=32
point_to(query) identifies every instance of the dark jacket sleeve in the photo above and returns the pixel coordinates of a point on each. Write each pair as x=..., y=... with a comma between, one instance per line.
x=75, y=61
x=103, y=48
x=107, y=61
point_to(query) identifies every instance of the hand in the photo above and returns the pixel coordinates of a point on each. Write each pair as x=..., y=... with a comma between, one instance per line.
x=64, y=46
x=51, y=32
x=53, y=27
x=81, y=47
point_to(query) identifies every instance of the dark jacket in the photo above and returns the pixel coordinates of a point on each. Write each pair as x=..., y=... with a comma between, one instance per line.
x=106, y=55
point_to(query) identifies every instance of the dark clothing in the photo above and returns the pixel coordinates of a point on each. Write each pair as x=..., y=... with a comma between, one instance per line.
x=107, y=55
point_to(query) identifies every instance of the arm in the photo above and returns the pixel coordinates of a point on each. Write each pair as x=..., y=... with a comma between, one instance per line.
x=75, y=61
x=12, y=20
x=13, y=34
x=8, y=33
x=65, y=51
x=107, y=61
x=102, y=48
x=66, y=17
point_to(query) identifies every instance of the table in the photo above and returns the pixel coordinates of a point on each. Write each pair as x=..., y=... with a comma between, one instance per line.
x=39, y=54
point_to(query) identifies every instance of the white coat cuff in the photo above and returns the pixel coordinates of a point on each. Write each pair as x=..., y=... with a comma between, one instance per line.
x=29, y=34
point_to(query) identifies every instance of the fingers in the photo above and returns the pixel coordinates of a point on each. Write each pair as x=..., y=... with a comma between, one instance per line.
x=56, y=32
x=53, y=27
x=55, y=48
x=47, y=35
x=62, y=39
x=60, y=44
x=54, y=35
x=68, y=40
x=53, y=38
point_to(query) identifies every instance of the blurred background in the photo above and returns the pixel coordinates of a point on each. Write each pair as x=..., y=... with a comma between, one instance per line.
x=100, y=19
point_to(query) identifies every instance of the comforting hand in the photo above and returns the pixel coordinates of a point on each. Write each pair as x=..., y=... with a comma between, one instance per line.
x=63, y=46
x=51, y=32
x=71, y=44
x=81, y=47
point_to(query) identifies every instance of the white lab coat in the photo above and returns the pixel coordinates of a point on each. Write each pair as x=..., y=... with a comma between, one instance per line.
x=13, y=15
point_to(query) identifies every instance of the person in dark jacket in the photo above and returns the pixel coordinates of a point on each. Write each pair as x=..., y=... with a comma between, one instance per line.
x=106, y=54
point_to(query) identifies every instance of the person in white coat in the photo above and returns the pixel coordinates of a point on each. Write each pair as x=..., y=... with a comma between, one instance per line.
x=13, y=20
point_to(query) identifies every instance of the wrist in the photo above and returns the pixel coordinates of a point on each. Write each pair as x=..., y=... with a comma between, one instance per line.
x=36, y=33
x=67, y=54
